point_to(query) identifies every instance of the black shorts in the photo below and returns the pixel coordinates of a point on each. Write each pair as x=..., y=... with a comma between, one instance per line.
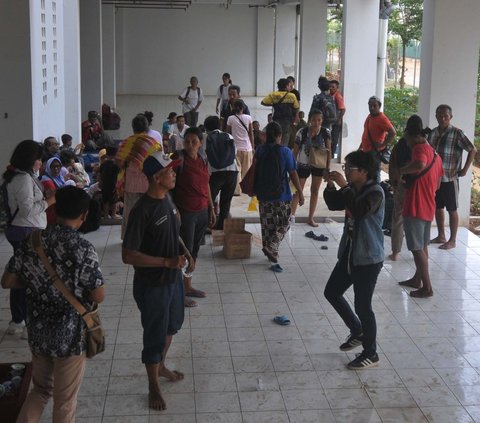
x=304, y=171
x=447, y=196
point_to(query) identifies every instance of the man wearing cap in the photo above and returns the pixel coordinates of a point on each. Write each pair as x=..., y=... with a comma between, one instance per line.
x=378, y=131
x=152, y=246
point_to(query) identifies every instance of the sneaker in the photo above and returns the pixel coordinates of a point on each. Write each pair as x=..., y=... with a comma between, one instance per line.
x=15, y=328
x=363, y=362
x=352, y=341
x=292, y=219
x=24, y=334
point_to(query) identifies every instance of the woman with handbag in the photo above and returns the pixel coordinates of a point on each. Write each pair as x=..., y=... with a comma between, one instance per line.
x=312, y=152
x=274, y=165
x=27, y=201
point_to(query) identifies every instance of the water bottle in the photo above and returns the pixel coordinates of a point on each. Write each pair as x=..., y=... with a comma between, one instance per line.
x=260, y=385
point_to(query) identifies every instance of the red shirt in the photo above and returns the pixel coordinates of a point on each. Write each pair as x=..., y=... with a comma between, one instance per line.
x=377, y=126
x=191, y=188
x=419, y=200
x=339, y=100
x=90, y=131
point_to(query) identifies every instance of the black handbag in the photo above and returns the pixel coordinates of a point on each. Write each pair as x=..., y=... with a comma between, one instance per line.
x=408, y=180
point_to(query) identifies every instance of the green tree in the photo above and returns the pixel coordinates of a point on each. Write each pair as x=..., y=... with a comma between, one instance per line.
x=406, y=22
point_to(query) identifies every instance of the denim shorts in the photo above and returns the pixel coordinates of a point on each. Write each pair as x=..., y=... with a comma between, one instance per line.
x=417, y=233
x=162, y=313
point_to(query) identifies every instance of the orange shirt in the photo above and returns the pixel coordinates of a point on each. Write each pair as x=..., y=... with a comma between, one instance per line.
x=339, y=100
x=375, y=129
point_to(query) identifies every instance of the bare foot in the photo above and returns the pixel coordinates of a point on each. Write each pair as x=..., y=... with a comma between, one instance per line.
x=394, y=256
x=438, y=240
x=411, y=283
x=171, y=375
x=447, y=245
x=195, y=293
x=156, y=401
x=312, y=222
x=421, y=293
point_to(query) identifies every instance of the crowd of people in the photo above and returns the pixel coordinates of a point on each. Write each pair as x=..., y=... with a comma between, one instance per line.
x=173, y=185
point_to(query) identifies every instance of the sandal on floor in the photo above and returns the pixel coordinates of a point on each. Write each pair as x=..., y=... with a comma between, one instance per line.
x=188, y=302
x=281, y=320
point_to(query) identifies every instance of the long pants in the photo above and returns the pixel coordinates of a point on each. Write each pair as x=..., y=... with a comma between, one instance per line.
x=397, y=218
x=244, y=161
x=363, y=279
x=285, y=124
x=18, y=299
x=57, y=377
x=193, y=229
x=275, y=223
x=336, y=137
x=191, y=118
x=225, y=183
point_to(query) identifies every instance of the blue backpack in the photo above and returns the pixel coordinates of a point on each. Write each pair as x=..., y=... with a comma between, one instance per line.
x=269, y=173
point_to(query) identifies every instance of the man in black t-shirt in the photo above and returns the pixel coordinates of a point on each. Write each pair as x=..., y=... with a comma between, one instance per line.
x=152, y=246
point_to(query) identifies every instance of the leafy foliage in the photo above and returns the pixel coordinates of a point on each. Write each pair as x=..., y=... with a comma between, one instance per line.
x=406, y=22
x=399, y=105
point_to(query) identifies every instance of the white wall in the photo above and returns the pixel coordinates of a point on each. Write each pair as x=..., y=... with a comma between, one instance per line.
x=265, y=29
x=15, y=77
x=108, y=54
x=286, y=16
x=162, y=49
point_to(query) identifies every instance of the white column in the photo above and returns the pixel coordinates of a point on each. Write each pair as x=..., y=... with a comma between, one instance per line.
x=72, y=88
x=91, y=55
x=108, y=53
x=450, y=49
x=284, y=41
x=265, y=30
x=359, y=65
x=313, y=41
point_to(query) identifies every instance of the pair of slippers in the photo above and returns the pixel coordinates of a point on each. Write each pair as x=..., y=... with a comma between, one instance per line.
x=315, y=237
x=281, y=320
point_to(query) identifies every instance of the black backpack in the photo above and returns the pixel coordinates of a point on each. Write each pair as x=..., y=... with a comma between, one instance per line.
x=326, y=104
x=283, y=111
x=268, y=174
x=6, y=217
x=220, y=149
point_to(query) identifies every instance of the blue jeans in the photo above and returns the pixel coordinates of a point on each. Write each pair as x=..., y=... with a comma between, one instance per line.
x=363, y=279
x=162, y=313
x=18, y=299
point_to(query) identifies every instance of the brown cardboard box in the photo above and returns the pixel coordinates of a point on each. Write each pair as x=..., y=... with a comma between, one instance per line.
x=237, y=243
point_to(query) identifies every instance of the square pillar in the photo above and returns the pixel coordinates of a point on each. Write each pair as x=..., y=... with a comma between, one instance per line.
x=108, y=55
x=265, y=50
x=449, y=72
x=91, y=55
x=285, y=26
x=359, y=65
x=313, y=51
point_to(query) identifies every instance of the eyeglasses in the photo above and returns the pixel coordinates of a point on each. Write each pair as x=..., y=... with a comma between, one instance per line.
x=346, y=168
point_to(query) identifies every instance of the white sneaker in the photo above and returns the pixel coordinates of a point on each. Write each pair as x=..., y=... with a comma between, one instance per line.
x=15, y=328
x=24, y=334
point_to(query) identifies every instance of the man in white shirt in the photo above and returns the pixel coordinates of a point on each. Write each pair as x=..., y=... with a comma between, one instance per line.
x=178, y=132
x=191, y=99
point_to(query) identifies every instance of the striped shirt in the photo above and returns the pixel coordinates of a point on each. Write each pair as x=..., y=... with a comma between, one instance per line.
x=450, y=145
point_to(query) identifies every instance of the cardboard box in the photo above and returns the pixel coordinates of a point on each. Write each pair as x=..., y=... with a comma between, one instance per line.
x=237, y=241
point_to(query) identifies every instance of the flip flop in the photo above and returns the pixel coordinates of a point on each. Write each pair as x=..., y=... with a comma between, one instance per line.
x=189, y=303
x=310, y=234
x=276, y=268
x=281, y=320
x=196, y=293
x=321, y=238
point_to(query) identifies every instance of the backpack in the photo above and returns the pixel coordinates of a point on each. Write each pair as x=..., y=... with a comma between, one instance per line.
x=6, y=217
x=283, y=111
x=326, y=104
x=268, y=174
x=220, y=149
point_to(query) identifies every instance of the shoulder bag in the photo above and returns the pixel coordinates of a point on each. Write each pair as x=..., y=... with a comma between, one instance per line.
x=94, y=334
x=317, y=156
x=382, y=155
x=408, y=180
